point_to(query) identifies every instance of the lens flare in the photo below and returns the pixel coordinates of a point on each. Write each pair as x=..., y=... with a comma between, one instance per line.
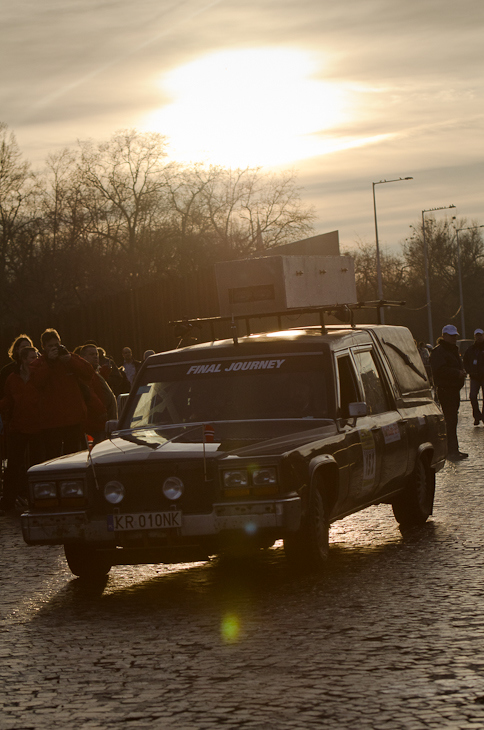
x=230, y=628
x=250, y=528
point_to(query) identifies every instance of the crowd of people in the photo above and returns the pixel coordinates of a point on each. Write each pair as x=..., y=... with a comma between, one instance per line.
x=55, y=402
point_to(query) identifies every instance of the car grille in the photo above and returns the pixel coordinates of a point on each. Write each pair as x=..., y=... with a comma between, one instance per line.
x=143, y=485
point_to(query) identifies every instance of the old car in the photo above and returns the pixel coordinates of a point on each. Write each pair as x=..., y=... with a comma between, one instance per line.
x=231, y=445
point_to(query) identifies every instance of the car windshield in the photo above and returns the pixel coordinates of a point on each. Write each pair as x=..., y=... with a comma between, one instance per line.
x=246, y=389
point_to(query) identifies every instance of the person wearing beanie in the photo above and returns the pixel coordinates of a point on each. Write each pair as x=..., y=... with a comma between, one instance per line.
x=449, y=377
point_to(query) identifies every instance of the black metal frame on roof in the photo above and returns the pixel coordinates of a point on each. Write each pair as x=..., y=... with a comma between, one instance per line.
x=343, y=312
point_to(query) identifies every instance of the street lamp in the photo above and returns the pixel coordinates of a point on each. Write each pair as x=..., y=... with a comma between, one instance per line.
x=459, y=274
x=426, y=266
x=378, y=263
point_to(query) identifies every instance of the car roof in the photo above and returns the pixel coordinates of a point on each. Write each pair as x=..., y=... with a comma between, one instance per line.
x=313, y=339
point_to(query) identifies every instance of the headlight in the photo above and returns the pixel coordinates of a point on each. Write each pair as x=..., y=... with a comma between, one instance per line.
x=173, y=488
x=264, y=477
x=236, y=478
x=73, y=488
x=45, y=490
x=114, y=492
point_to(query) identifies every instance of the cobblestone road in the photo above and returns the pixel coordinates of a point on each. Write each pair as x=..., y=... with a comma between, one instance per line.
x=391, y=636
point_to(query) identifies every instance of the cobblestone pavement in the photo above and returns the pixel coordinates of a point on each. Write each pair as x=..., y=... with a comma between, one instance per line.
x=390, y=636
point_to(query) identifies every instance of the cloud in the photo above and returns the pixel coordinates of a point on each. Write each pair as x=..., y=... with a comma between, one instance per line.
x=413, y=70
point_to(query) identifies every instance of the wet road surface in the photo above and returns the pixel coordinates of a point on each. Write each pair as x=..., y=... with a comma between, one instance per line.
x=390, y=636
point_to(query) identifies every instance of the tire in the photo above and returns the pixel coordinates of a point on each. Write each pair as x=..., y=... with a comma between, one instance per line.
x=309, y=546
x=86, y=562
x=415, y=504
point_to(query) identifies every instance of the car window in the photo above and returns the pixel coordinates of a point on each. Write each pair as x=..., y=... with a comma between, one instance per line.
x=373, y=387
x=347, y=384
x=278, y=387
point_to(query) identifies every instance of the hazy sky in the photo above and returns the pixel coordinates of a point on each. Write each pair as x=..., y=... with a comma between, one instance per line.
x=346, y=93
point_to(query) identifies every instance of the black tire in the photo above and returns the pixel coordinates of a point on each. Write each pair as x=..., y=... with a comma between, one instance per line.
x=415, y=504
x=309, y=546
x=86, y=562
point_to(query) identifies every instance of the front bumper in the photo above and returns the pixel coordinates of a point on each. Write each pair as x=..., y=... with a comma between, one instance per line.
x=245, y=517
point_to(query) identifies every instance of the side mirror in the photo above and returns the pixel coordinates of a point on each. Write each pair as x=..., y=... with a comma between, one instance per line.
x=111, y=426
x=357, y=410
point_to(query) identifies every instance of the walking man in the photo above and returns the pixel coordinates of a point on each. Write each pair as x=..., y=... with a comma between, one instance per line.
x=449, y=377
x=474, y=365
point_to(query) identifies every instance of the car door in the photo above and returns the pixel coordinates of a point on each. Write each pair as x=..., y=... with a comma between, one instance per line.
x=362, y=443
x=388, y=426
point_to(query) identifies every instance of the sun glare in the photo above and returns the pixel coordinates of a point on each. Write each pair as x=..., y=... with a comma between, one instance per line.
x=250, y=107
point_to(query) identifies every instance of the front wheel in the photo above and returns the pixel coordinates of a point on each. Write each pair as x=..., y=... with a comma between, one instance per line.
x=415, y=503
x=310, y=544
x=86, y=562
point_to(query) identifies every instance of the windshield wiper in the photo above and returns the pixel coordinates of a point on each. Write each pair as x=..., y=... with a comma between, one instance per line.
x=405, y=358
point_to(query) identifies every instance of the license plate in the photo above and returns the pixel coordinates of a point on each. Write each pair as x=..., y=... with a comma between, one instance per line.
x=144, y=521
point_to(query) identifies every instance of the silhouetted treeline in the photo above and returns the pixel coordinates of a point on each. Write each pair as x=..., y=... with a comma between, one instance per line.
x=111, y=217
x=111, y=240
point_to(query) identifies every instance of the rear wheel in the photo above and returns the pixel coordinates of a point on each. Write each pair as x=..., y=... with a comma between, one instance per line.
x=415, y=503
x=86, y=562
x=310, y=544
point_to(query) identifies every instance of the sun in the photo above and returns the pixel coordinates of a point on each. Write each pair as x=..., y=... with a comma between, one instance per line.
x=250, y=107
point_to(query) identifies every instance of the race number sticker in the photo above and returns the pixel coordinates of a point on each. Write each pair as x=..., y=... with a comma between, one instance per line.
x=369, y=457
x=391, y=432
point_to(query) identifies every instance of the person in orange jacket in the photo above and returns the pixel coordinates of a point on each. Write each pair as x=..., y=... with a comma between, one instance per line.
x=62, y=380
x=20, y=410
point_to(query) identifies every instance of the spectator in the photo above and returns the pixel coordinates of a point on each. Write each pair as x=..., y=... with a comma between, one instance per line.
x=147, y=354
x=102, y=403
x=130, y=366
x=449, y=377
x=20, y=409
x=115, y=378
x=474, y=365
x=13, y=353
x=425, y=355
x=62, y=379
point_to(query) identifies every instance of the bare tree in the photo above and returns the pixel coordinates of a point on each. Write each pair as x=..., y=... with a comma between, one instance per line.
x=440, y=238
x=223, y=214
x=17, y=209
x=124, y=183
x=394, y=273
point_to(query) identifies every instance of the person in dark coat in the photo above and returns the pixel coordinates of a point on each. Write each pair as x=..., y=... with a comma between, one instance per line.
x=130, y=366
x=114, y=377
x=449, y=377
x=101, y=395
x=474, y=365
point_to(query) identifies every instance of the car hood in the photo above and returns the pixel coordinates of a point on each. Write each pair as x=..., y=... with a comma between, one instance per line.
x=149, y=445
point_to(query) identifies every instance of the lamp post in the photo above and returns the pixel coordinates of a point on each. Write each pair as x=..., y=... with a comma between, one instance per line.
x=459, y=275
x=381, y=316
x=426, y=267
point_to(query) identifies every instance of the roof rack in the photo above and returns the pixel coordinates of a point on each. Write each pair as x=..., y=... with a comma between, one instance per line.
x=343, y=312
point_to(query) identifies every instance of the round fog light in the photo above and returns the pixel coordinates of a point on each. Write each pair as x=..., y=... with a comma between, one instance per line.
x=114, y=492
x=173, y=488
